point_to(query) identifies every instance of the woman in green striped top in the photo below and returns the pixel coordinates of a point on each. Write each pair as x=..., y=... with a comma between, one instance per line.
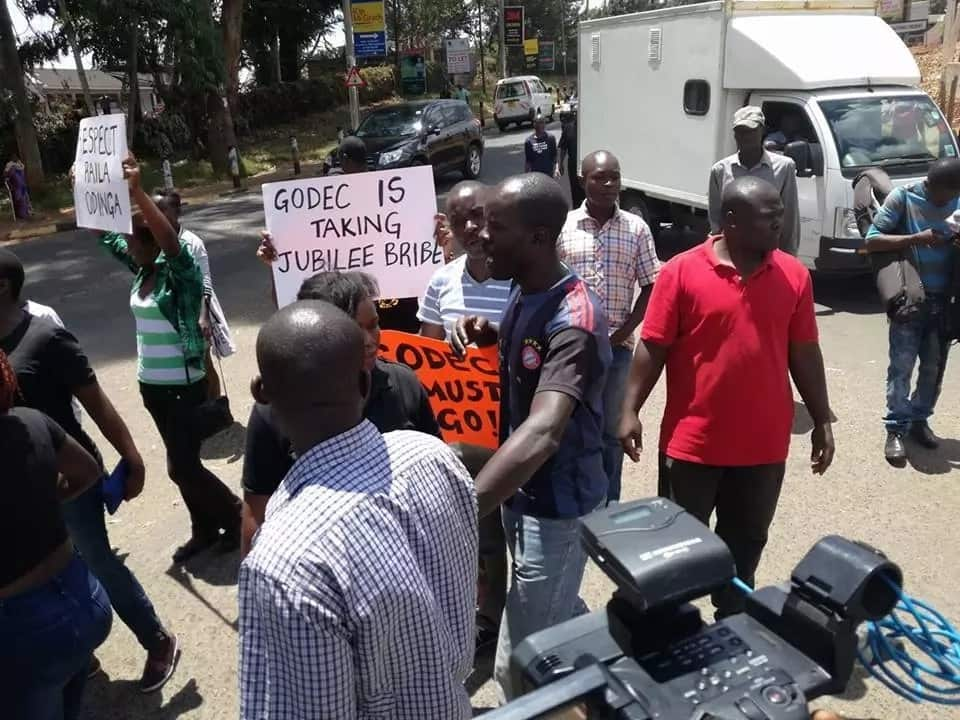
x=166, y=300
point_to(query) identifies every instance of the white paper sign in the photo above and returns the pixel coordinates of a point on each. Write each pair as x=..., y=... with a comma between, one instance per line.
x=458, y=56
x=101, y=197
x=380, y=223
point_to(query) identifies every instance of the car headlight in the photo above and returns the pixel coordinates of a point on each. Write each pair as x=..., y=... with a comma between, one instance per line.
x=391, y=156
x=845, y=223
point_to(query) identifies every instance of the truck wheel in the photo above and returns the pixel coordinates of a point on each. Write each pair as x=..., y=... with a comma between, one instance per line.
x=637, y=204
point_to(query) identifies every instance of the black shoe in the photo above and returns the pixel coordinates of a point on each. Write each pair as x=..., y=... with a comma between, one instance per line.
x=161, y=663
x=194, y=546
x=894, y=450
x=923, y=436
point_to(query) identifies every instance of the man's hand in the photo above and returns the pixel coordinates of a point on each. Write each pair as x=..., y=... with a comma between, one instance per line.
x=131, y=172
x=619, y=337
x=136, y=477
x=631, y=435
x=556, y=171
x=471, y=329
x=266, y=252
x=821, y=456
x=560, y=169
x=929, y=238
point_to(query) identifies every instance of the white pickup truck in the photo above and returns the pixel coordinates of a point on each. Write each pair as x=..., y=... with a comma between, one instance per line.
x=659, y=90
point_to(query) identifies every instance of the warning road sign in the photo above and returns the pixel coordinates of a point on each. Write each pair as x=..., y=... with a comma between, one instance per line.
x=354, y=79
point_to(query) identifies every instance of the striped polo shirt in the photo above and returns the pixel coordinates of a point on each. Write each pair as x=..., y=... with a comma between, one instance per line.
x=453, y=293
x=159, y=352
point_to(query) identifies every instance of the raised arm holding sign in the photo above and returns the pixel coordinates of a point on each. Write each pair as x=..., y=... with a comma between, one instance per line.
x=379, y=222
x=100, y=195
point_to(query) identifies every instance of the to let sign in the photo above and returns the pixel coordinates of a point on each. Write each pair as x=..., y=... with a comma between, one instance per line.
x=464, y=393
x=380, y=223
x=513, y=25
x=100, y=195
x=458, y=56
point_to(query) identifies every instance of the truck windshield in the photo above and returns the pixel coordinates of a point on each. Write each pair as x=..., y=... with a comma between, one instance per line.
x=888, y=131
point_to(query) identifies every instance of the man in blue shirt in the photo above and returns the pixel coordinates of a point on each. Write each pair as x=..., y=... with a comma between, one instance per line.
x=554, y=355
x=913, y=221
x=540, y=150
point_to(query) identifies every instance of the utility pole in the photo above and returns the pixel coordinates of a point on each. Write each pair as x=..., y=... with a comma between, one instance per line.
x=483, y=69
x=563, y=39
x=503, y=47
x=351, y=63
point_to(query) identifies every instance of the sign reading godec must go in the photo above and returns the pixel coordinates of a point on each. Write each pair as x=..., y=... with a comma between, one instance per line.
x=464, y=392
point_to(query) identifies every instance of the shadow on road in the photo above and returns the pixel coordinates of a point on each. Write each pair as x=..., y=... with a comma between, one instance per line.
x=934, y=462
x=226, y=445
x=217, y=570
x=846, y=294
x=125, y=696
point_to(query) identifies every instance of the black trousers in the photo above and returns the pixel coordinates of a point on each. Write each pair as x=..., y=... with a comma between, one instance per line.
x=577, y=195
x=492, y=549
x=211, y=505
x=745, y=500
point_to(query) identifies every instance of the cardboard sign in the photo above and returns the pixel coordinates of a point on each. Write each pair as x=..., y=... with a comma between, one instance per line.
x=464, y=392
x=101, y=197
x=380, y=223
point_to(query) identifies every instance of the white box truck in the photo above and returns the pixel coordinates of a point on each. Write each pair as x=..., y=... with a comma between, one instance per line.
x=659, y=90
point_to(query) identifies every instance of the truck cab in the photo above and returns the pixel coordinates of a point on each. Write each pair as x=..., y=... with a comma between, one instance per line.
x=837, y=86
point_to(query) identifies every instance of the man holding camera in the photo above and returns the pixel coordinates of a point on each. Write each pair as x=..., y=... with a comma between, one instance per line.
x=729, y=320
x=913, y=223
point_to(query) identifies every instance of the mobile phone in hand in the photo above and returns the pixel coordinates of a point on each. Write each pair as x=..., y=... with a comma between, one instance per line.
x=114, y=486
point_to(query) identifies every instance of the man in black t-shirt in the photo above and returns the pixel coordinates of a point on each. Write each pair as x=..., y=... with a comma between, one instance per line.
x=540, y=150
x=52, y=369
x=397, y=399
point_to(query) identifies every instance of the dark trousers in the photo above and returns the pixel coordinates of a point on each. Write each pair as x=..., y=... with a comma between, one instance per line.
x=577, y=195
x=492, y=549
x=211, y=505
x=745, y=499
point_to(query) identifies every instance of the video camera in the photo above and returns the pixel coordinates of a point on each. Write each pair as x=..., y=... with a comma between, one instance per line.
x=649, y=655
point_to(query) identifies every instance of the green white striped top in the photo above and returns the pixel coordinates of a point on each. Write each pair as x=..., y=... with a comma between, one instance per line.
x=159, y=352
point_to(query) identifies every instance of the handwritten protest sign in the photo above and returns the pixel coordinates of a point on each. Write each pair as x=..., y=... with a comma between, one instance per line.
x=464, y=392
x=100, y=195
x=377, y=222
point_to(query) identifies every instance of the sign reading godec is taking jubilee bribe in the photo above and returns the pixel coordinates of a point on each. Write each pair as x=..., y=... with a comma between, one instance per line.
x=380, y=223
x=100, y=195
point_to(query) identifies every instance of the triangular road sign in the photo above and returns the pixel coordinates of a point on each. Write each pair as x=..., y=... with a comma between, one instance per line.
x=354, y=79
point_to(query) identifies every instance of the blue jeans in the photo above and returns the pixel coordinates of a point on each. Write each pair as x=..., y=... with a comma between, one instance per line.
x=922, y=338
x=612, y=410
x=84, y=518
x=46, y=637
x=547, y=568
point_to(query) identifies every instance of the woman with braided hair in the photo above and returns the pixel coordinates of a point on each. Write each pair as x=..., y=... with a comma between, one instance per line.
x=53, y=612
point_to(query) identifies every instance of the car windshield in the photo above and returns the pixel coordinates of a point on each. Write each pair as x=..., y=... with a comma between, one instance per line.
x=888, y=131
x=510, y=90
x=392, y=122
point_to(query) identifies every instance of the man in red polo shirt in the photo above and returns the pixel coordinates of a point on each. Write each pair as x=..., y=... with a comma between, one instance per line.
x=729, y=319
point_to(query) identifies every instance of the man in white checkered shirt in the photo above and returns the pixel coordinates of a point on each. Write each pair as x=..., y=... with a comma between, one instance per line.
x=358, y=598
x=613, y=251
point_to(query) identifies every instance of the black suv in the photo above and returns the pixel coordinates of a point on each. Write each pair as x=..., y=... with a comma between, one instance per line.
x=441, y=133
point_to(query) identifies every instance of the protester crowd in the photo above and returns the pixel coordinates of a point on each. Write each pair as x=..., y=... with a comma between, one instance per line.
x=375, y=567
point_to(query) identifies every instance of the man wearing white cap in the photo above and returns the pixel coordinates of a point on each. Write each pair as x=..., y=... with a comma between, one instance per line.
x=751, y=159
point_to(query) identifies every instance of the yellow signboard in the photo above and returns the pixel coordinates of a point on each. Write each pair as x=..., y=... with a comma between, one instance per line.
x=531, y=47
x=367, y=17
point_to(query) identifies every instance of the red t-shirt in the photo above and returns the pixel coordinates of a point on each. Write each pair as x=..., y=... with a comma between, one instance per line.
x=728, y=390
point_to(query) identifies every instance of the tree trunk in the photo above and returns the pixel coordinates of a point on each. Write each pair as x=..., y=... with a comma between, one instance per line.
x=275, y=56
x=289, y=56
x=231, y=20
x=11, y=78
x=220, y=134
x=77, y=59
x=133, y=80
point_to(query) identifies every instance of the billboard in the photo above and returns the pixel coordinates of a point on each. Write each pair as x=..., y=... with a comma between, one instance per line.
x=513, y=25
x=369, y=29
x=546, y=57
x=458, y=56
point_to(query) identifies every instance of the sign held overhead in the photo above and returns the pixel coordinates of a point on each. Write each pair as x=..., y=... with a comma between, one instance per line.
x=100, y=194
x=380, y=223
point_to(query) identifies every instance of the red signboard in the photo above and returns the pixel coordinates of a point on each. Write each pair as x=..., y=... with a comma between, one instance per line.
x=513, y=25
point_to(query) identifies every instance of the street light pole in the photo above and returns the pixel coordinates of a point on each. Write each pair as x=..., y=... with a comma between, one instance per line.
x=503, y=47
x=351, y=63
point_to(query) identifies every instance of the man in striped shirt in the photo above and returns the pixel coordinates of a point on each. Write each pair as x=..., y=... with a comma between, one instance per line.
x=613, y=251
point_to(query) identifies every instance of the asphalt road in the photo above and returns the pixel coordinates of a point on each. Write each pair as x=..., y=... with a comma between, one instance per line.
x=909, y=513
